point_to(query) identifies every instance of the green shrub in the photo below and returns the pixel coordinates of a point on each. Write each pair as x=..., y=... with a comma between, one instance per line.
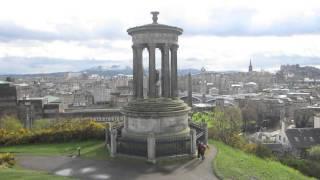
x=41, y=124
x=314, y=153
x=61, y=131
x=10, y=123
x=307, y=167
x=263, y=151
x=6, y=160
x=250, y=148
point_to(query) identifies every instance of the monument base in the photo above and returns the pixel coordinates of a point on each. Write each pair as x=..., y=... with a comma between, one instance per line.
x=155, y=128
x=159, y=116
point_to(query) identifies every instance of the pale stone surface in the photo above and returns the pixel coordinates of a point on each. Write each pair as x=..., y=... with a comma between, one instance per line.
x=151, y=148
x=193, y=134
x=158, y=125
x=113, y=149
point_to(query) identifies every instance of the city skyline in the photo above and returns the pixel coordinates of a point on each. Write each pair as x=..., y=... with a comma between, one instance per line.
x=219, y=35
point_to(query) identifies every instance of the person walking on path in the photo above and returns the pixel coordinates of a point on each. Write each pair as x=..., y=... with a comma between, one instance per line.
x=201, y=150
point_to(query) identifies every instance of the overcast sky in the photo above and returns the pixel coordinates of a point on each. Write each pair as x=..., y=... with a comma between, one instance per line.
x=39, y=36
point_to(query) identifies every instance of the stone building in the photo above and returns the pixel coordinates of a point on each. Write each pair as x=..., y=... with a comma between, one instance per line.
x=304, y=117
x=30, y=109
x=8, y=98
x=82, y=98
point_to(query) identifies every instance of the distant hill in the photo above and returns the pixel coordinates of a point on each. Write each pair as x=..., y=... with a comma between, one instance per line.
x=126, y=70
x=100, y=70
x=108, y=71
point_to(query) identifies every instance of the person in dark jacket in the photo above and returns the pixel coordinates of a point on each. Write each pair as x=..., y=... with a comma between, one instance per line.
x=201, y=150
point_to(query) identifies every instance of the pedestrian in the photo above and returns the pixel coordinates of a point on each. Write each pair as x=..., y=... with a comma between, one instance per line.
x=201, y=150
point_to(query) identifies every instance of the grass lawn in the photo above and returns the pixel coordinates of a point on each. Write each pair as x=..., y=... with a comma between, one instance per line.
x=232, y=163
x=21, y=174
x=93, y=149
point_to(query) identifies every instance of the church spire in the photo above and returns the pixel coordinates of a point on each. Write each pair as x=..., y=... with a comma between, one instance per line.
x=250, y=66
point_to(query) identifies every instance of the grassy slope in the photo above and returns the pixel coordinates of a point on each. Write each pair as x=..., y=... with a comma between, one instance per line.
x=234, y=164
x=21, y=174
x=90, y=149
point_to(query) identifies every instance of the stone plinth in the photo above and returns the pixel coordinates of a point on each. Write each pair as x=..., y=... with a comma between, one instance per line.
x=160, y=116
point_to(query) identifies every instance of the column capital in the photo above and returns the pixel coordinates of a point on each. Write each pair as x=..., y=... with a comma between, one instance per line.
x=152, y=45
x=165, y=48
x=174, y=47
x=138, y=46
x=166, y=45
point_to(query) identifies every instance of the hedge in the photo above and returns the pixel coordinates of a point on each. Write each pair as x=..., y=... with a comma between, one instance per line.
x=62, y=131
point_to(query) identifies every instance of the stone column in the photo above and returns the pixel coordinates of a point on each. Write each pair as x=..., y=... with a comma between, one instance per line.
x=152, y=70
x=165, y=72
x=135, y=70
x=107, y=137
x=189, y=90
x=193, y=139
x=151, y=148
x=205, y=128
x=113, y=143
x=139, y=82
x=174, y=73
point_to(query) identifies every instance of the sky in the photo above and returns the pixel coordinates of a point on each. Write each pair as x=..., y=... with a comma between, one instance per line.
x=42, y=36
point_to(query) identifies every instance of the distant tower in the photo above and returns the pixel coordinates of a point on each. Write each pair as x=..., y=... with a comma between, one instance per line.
x=203, y=87
x=250, y=66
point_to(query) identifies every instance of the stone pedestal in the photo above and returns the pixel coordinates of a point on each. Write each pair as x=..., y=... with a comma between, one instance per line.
x=151, y=144
x=113, y=143
x=193, y=135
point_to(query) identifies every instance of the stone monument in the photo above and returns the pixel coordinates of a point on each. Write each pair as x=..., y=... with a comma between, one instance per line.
x=156, y=123
x=164, y=114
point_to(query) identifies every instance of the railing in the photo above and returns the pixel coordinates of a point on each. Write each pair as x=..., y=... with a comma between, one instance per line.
x=200, y=130
x=135, y=147
x=173, y=146
x=107, y=118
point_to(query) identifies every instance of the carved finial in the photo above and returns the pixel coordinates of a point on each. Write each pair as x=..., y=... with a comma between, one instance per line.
x=155, y=16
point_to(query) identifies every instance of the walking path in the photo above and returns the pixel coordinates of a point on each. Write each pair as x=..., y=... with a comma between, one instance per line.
x=121, y=169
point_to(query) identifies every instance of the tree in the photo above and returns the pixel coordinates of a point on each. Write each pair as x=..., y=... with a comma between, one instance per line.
x=250, y=117
x=227, y=123
x=10, y=123
x=314, y=152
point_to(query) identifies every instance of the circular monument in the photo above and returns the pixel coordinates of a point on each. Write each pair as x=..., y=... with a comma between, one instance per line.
x=159, y=113
x=156, y=122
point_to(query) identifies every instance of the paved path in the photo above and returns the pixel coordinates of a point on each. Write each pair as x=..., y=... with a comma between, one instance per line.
x=121, y=169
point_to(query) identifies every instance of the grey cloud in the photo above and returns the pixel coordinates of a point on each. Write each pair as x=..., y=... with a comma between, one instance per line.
x=65, y=32
x=23, y=65
x=239, y=23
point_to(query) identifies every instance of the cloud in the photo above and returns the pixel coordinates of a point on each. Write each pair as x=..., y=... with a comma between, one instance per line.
x=219, y=35
x=23, y=65
x=244, y=22
x=66, y=32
